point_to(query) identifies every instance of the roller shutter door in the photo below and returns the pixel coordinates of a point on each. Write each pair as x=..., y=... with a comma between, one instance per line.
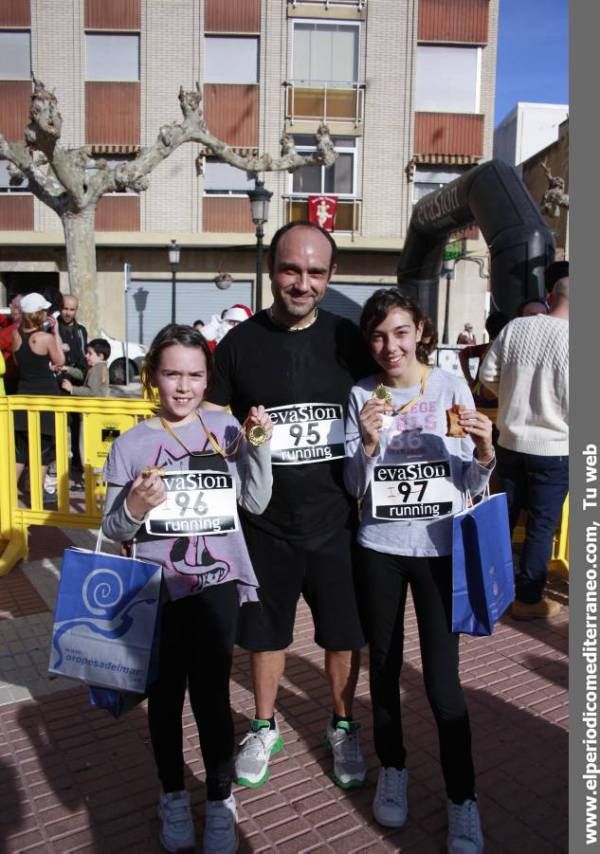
x=347, y=299
x=149, y=304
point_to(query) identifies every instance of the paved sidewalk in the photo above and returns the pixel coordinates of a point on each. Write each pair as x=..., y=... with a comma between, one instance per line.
x=74, y=779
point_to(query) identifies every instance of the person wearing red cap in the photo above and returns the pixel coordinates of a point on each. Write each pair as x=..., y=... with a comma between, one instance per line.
x=218, y=327
x=236, y=314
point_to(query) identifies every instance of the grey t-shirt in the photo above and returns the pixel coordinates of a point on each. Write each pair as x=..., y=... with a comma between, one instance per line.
x=420, y=473
x=189, y=563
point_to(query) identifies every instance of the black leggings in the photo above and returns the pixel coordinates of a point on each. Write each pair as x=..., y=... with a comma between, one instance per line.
x=196, y=647
x=382, y=586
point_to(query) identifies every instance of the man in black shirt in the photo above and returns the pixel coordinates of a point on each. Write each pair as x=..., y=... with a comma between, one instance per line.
x=74, y=337
x=300, y=363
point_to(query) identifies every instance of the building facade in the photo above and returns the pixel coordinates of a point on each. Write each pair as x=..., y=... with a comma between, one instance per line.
x=527, y=129
x=405, y=86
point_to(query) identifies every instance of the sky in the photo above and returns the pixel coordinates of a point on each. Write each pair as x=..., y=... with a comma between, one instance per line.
x=533, y=59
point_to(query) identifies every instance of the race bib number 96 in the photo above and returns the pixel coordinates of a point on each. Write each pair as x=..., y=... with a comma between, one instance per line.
x=307, y=433
x=419, y=490
x=197, y=502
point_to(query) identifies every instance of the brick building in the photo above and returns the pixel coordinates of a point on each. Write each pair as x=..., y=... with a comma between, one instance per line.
x=406, y=86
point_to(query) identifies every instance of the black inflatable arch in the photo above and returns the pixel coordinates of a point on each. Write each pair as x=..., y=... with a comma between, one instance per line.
x=520, y=243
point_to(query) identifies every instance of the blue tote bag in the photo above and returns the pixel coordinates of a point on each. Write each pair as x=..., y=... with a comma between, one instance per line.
x=482, y=566
x=105, y=618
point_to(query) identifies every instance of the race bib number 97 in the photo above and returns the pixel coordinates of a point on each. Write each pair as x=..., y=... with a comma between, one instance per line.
x=197, y=502
x=419, y=490
x=307, y=433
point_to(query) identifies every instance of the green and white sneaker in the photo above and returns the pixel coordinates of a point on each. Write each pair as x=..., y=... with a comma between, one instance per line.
x=256, y=748
x=349, y=767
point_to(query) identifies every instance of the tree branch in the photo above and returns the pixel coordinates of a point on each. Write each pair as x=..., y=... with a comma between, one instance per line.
x=23, y=167
x=193, y=129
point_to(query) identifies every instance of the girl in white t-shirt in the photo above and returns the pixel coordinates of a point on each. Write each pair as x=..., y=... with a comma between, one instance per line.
x=411, y=478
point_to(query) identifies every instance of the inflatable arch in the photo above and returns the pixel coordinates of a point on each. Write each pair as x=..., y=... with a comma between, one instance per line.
x=520, y=243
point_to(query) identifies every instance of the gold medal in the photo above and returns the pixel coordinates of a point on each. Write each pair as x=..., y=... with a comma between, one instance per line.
x=256, y=435
x=382, y=393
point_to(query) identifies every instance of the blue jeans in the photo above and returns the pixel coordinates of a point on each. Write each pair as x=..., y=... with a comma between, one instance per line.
x=538, y=485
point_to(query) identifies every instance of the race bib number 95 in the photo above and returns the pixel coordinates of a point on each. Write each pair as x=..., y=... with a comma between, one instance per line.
x=197, y=502
x=419, y=490
x=307, y=433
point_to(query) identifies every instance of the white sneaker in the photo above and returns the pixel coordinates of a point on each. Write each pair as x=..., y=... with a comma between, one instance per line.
x=390, y=804
x=176, y=822
x=464, y=828
x=220, y=827
x=349, y=767
x=256, y=748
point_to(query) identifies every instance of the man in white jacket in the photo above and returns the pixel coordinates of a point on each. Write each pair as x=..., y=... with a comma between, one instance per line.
x=528, y=368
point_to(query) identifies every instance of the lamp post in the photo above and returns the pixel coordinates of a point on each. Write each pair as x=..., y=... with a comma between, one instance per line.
x=174, y=256
x=448, y=271
x=259, y=205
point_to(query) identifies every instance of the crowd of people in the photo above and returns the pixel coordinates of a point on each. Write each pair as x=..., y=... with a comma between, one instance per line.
x=47, y=352
x=347, y=479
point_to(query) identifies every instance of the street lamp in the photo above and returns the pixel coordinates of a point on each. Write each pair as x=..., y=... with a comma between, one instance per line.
x=174, y=255
x=259, y=205
x=448, y=271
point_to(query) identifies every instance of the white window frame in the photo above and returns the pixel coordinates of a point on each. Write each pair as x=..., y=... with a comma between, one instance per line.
x=478, y=66
x=224, y=192
x=20, y=190
x=109, y=79
x=321, y=84
x=344, y=149
x=114, y=160
x=233, y=37
x=24, y=32
x=435, y=185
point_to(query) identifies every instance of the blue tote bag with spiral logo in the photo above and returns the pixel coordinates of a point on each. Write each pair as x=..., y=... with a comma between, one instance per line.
x=105, y=618
x=482, y=566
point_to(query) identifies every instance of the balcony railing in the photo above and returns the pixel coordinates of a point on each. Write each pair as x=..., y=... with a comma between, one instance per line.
x=325, y=102
x=347, y=217
x=355, y=4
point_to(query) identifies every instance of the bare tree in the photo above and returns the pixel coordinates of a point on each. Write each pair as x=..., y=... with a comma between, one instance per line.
x=71, y=182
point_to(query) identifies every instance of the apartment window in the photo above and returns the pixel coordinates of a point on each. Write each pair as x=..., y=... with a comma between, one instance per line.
x=112, y=56
x=15, y=55
x=432, y=178
x=325, y=54
x=221, y=179
x=5, y=178
x=447, y=79
x=339, y=179
x=230, y=59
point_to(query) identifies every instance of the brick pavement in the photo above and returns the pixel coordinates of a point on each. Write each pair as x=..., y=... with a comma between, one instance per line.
x=73, y=779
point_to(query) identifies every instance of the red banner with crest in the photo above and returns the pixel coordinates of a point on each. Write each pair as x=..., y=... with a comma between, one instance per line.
x=322, y=210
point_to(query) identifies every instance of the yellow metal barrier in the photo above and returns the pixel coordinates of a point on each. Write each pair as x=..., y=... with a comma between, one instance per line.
x=103, y=419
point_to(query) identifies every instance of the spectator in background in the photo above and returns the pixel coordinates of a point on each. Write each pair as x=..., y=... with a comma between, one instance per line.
x=532, y=306
x=11, y=376
x=428, y=343
x=467, y=336
x=484, y=399
x=528, y=368
x=218, y=327
x=74, y=337
x=97, y=354
x=198, y=324
x=36, y=343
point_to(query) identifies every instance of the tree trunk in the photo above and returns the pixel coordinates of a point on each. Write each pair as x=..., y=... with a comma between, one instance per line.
x=80, y=243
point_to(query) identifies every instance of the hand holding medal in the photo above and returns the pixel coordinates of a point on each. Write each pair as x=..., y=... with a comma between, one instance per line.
x=258, y=426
